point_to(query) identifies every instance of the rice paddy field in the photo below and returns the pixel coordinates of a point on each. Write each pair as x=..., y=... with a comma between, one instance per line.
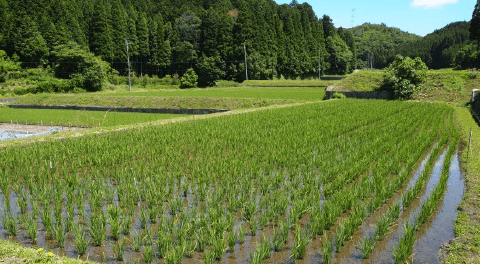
x=77, y=118
x=341, y=181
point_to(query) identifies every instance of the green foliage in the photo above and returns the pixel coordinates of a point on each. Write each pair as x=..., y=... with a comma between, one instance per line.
x=475, y=23
x=82, y=68
x=340, y=57
x=438, y=49
x=210, y=70
x=189, y=79
x=339, y=96
x=404, y=75
x=467, y=57
x=379, y=41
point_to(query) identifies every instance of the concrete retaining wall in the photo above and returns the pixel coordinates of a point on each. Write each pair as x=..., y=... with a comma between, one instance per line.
x=123, y=109
x=361, y=95
x=476, y=109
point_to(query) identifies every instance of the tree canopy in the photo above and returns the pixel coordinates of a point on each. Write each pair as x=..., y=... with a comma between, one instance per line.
x=170, y=36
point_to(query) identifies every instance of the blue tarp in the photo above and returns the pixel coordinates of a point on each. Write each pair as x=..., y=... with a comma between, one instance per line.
x=5, y=135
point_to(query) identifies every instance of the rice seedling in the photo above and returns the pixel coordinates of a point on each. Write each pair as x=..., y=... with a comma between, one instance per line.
x=81, y=241
x=367, y=245
x=143, y=217
x=190, y=248
x=240, y=234
x=327, y=249
x=136, y=241
x=209, y=257
x=10, y=222
x=116, y=228
x=60, y=235
x=175, y=255
x=119, y=249
x=254, y=223
x=232, y=240
x=405, y=243
x=261, y=252
x=31, y=225
x=148, y=254
x=98, y=228
x=300, y=243
x=218, y=246
x=47, y=219
x=127, y=223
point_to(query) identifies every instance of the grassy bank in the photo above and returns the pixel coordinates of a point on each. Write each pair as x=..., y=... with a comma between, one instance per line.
x=11, y=252
x=465, y=248
x=363, y=80
x=445, y=85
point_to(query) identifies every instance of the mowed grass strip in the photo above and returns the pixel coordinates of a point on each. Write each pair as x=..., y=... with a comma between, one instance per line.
x=465, y=248
x=77, y=117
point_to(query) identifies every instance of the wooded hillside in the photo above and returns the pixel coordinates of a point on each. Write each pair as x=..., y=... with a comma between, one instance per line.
x=170, y=36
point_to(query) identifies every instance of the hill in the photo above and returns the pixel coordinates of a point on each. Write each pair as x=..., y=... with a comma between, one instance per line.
x=438, y=49
x=380, y=41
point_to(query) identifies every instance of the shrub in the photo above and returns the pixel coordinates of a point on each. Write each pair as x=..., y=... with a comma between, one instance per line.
x=210, y=70
x=339, y=96
x=189, y=79
x=83, y=68
x=404, y=75
x=472, y=73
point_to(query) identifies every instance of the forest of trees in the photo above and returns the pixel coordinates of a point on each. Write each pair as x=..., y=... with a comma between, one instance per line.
x=212, y=36
x=170, y=36
x=439, y=49
x=380, y=42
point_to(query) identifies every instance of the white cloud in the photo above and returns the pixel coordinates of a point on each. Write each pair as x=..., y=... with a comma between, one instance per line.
x=432, y=3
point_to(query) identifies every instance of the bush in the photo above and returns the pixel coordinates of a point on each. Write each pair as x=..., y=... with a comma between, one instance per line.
x=210, y=70
x=189, y=79
x=404, y=75
x=84, y=69
x=339, y=96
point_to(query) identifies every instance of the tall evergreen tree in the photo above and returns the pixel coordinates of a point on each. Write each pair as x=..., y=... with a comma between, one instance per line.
x=119, y=32
x=143, y=42
x=4, y=13
x=216, y=34
x=161, y=51
x=29, y=43
x=475, y=24
x=101, y=34
x=328, y=27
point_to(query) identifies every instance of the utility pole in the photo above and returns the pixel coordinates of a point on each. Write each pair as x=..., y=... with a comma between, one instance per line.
x=246, y=67
x=128, y=60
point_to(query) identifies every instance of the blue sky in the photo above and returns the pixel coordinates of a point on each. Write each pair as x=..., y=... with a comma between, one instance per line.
x=420, y=17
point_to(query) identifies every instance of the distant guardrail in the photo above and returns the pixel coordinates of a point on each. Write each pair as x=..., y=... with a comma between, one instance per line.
x=188, y=111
